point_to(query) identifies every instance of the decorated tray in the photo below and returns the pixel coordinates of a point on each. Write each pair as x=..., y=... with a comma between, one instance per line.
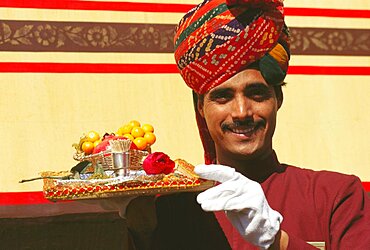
x=120, y=164
x=61, y=186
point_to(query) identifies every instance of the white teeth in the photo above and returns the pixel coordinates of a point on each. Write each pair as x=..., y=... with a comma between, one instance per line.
x=242, y=131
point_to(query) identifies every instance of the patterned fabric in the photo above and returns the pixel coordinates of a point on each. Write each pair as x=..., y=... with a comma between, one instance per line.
x=218, y=38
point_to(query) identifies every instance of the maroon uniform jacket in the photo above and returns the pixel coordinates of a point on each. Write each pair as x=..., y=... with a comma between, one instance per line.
x=317, y=206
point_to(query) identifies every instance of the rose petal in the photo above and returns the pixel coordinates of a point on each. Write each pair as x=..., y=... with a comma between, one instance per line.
x=158, y=163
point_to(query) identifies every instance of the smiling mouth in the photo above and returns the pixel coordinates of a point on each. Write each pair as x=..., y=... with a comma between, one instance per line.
x=246, y=129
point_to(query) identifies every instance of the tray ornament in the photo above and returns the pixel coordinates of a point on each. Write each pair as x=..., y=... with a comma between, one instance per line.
x=120, y=164
x=66, y=185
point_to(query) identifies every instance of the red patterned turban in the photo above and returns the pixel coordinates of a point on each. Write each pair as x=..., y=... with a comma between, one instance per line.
x=220, y=38
x=217, y=39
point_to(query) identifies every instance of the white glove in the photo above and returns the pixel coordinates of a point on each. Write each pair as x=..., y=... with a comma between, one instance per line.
x=243, y=201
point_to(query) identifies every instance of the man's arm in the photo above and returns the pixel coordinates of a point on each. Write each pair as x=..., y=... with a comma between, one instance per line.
x=350, y=220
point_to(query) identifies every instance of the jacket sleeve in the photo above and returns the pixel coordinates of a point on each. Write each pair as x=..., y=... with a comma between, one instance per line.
x=350, y=219
x=297, y=243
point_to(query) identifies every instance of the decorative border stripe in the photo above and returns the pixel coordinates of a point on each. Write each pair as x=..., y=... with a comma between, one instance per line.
x=296, y=60
x=37, y=197
x=133, y=58
x=166, y=7
x=22, y=198
x=29, y=67
x=162, y=58
x=95, y=16
x=157, y=38
x=366, y=186
x=87, y=68
x=328, y=70
x=95, y=5
x=327, y=12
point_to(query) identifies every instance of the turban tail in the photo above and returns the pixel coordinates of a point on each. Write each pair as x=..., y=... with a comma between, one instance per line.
x=219, y=38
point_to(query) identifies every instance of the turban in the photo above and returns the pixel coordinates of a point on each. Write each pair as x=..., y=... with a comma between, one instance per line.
x=219, y=38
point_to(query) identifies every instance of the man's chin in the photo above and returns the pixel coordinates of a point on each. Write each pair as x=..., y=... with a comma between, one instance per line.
x=245, y=153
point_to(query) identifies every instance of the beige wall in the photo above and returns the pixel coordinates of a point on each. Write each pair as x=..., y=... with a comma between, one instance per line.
x=43, y=114
x=322, y=125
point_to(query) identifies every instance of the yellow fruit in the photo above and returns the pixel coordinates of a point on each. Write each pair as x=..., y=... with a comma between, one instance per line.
x=137, y=132
x=150, y=138
x=93, y=136
x=147, y=128
x=134, y=123
x=129, y=136
x=140, y=143
x=87, y=147
x=125, y=129
x=96, y=143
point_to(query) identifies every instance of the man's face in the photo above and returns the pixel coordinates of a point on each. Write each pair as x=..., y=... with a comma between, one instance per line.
x=241, y=116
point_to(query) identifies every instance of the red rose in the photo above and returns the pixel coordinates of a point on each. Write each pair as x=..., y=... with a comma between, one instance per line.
x=158, y=163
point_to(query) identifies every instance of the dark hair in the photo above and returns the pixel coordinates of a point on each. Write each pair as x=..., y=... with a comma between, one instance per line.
x=279, y=90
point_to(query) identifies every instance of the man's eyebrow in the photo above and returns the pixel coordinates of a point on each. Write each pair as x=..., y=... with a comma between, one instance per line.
x=222, y=91
x=219, y=92
x=258, y=85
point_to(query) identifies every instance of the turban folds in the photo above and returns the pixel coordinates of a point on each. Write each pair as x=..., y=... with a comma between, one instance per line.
x=217, y=39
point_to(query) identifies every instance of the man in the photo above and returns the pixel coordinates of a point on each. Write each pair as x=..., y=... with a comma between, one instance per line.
x=234, y=55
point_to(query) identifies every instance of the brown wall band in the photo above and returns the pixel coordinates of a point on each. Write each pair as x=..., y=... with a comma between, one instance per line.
x=36, y=36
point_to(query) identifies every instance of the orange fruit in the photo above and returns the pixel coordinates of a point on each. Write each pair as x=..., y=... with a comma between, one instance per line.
x=93, y=136
x=129, y=136
x=134, y=123
x=87, y=147
x=147, y=128
x=137, y=132
x=150, y=138
x=125, y=129
x=140, y=143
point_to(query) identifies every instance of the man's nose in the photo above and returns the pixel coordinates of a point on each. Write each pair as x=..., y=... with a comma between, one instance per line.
x=241, y=108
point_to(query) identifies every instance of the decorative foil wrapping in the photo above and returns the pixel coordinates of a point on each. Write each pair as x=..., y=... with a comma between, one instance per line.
x=137, y=183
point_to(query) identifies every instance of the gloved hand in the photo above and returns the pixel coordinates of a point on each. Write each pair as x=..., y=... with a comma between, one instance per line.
x=243, y=201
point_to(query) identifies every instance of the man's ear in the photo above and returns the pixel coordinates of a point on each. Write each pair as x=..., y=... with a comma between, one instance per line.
x=200, y=103
x=279, y=96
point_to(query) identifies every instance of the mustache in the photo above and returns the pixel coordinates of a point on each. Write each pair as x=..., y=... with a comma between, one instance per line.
x=242, y=123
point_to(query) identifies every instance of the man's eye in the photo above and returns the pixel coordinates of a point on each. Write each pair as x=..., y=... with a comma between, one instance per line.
x=221, y=98
x=260, y=95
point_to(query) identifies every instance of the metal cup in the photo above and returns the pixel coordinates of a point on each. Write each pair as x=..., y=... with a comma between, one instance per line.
x=121, y=161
